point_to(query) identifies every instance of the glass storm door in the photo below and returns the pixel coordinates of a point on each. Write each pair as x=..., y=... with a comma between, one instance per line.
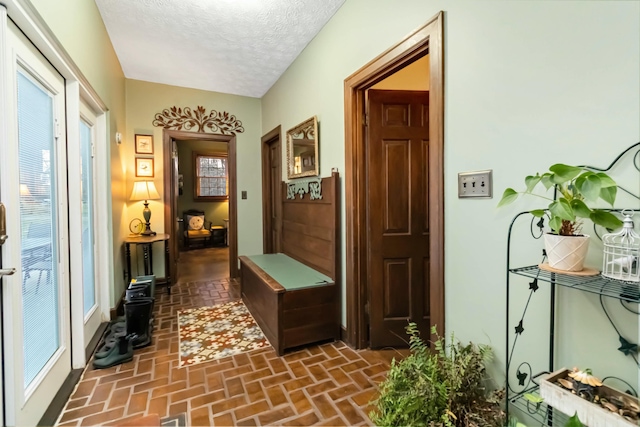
x=35, y=311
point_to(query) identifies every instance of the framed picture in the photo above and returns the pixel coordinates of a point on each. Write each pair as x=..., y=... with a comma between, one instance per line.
x=144, y=144
x=144, y=167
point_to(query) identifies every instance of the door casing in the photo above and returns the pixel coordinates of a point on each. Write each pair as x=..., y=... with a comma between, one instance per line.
x=426, y=39
x=171, y=190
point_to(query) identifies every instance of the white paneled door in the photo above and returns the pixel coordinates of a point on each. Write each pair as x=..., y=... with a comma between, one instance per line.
x=35, y=310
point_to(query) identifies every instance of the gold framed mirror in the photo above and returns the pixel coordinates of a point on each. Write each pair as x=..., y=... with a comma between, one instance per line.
x=302, y=149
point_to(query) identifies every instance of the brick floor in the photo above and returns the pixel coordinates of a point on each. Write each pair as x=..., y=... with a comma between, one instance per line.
x=328, y=384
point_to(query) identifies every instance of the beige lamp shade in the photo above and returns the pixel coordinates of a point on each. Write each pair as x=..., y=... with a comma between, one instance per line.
x=144, y=190
x=24, y=190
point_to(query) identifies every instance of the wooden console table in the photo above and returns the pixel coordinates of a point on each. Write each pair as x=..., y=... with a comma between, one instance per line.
x=147, y=248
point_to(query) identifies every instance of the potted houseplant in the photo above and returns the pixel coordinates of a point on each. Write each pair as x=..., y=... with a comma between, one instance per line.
x=574, y=187
x=443, y=385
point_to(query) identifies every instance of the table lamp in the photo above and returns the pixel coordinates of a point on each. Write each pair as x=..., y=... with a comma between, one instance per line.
x=24, y=190
x=145, y=190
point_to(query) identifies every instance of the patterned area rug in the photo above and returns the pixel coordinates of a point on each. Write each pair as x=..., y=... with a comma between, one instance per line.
x=210, y=333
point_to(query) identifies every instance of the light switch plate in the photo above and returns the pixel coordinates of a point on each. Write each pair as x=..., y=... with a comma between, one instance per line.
x=243, y=194
x=475, y=184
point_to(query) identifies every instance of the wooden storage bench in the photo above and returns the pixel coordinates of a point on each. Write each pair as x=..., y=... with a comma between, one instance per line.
x=293, y=304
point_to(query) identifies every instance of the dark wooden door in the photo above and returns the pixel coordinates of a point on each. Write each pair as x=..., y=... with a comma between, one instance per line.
x=272, y=203
x=176, y=238
x=398, y=214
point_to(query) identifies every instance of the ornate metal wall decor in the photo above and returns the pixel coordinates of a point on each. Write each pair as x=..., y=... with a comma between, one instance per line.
x=198, y=120
x=313, y=186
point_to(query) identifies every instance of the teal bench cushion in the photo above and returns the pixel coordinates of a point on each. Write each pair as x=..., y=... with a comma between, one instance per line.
x=290, y=273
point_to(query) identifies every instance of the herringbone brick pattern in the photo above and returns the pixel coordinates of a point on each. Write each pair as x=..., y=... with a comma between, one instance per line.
x=327, y=384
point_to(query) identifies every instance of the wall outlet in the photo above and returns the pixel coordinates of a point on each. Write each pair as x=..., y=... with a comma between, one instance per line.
x=475, y=184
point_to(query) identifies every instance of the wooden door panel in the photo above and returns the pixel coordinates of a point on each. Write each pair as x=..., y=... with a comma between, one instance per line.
x=396, y=115
x=397, y=215
x=424, y=205
x=396, y=288
x=424, y=116
x=274, y=157
x=396, y=182
x=275, y=178
x=271, y=195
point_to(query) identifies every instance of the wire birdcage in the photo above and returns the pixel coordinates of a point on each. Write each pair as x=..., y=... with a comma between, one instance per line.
x=621, y=251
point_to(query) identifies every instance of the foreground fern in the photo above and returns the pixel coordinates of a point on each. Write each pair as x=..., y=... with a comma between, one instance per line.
x=440, y=388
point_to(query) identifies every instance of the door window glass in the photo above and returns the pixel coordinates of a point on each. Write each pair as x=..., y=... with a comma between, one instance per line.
x=88, y=272
x=36, y=139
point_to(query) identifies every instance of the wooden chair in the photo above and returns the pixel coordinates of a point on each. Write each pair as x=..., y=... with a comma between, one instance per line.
x=37, y=254
x=196, y=228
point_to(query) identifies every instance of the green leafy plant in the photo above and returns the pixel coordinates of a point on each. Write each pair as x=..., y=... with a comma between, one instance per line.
x=573, y=421
x=443, y=387
x=535, y=399
x=575, y=187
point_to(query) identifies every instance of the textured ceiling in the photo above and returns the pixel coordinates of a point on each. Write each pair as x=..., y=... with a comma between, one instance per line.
x=232, y=46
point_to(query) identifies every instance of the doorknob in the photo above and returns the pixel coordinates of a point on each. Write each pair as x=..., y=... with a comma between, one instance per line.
x=7, y=271
x=3, y=224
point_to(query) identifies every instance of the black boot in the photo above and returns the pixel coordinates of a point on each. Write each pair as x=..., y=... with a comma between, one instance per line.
x=108, y=343
x=116, y=328
x=137, y=291
x=142, y=289
x=137, y=314
x=121, y=352
x=147, y=279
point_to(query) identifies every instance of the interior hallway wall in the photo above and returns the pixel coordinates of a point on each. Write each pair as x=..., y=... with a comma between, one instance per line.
x=144, y=100
x=527, y=84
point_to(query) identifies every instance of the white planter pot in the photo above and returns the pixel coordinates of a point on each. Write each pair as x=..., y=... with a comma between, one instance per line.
x=566, y=252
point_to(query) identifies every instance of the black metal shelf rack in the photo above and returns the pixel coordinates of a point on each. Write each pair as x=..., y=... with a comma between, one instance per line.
x=528, y=381
x=542, y=413
x=600, y=285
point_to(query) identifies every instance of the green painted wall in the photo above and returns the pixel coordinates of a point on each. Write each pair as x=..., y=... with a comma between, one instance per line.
x=527, y=84
x=77, y=24
x=145, y=99
x=215, y=212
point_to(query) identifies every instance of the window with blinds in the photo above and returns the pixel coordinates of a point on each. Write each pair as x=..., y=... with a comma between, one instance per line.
x=38, y=217
x=86, y=178
x=211, y=181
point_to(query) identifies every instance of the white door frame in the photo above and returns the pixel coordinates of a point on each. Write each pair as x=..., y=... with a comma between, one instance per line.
x=4, y=135
x=80, y=323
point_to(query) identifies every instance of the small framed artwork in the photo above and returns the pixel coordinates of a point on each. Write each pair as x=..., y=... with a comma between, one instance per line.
x=144, y=144
x=144, y=167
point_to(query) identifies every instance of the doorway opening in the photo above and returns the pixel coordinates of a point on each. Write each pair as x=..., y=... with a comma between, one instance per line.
x=200, y=204
x=373, y=216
